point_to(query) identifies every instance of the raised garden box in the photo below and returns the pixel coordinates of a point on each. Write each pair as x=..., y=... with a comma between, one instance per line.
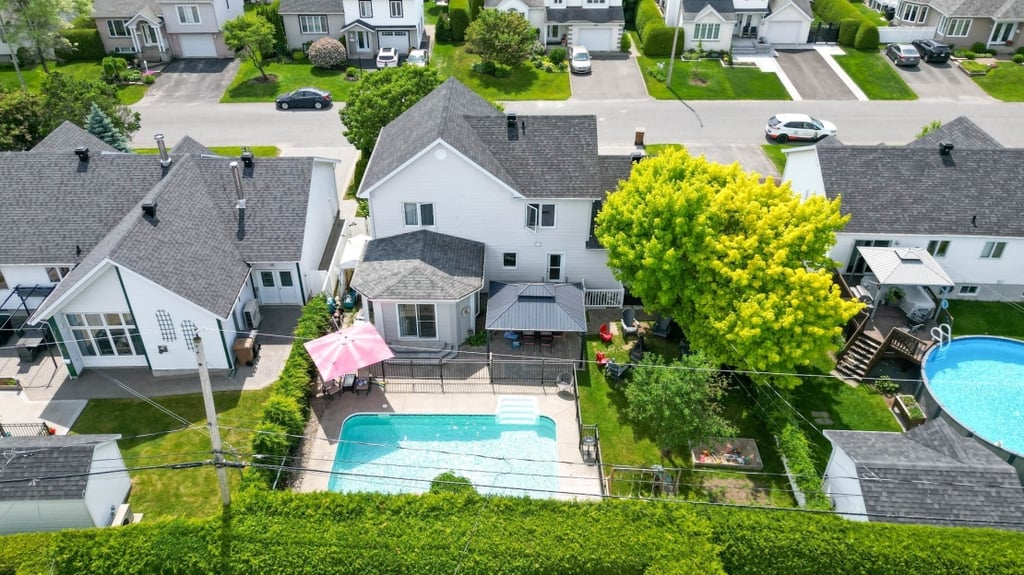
x=9, y=384
x=908, y=409
x=728, y=453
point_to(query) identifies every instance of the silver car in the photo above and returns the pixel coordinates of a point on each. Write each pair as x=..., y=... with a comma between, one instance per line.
x=417, y=58
x=579, y=60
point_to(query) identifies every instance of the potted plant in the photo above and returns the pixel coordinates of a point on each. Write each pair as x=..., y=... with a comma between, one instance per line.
x=910, y=410
x=895, y=295
x=886, y=386
x=9, y=383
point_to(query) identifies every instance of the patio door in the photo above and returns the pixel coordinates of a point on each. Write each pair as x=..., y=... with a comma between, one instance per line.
x=277, y=287
x=857, y=265
x=1002, y=32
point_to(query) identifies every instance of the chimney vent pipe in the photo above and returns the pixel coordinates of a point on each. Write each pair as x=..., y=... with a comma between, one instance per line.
x=149, y=210
x=165, y=159
x=236, y=174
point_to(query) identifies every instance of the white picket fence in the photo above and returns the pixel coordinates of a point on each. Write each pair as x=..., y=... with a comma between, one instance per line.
x=897, y=34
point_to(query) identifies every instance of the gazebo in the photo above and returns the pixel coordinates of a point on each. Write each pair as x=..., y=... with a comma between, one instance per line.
x=903, y=267
x=536, y=309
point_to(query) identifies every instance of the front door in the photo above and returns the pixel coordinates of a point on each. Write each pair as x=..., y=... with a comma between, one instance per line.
x=277, y=287
x=1002, y=32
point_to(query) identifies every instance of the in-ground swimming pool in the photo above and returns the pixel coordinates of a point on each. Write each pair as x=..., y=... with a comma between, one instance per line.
x=389, y=453
x=979, y=381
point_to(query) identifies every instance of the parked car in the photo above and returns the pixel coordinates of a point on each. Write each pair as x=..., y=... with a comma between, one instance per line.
x=579, y=60
x=417, y=58
x=387, y=58
x=785, y=127
x=308, y=97
x=932, y=51
x=903, y=54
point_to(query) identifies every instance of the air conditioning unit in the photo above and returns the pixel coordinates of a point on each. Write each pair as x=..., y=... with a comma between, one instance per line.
x=125, y=516
x=251, y=315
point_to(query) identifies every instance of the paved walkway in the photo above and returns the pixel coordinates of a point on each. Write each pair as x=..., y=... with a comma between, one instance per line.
x=769, y=63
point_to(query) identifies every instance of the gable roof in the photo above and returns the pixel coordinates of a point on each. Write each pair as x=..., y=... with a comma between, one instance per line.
x=121, y=8
x=421, y=265
x=933, y=475
x=529, y=3
x=803, y=5
x=998, y=9
x=187, y=145
x=962, y=131
x=694, y=7
x=535, y=307
x=311, y=7
x=45, y=462
x=531, y=161
x=581, y=14
x=68, y=136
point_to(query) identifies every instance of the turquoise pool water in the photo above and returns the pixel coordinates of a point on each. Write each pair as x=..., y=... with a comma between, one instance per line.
x=980, y=382
x=389, y=453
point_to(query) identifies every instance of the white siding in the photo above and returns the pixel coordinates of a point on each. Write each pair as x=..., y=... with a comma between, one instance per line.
x=321, y=212
x=105, y=492
x=101, y=293
x=804, y=171
x=386, y=322
x=207, y=18
x=709, y=16
x=43, y=515
x=842, y=486
x=412, y=15
x=796, y=26
x=293, y=30
x=228, y=9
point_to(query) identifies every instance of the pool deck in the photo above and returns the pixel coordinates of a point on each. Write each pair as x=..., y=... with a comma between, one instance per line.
x=577, y=479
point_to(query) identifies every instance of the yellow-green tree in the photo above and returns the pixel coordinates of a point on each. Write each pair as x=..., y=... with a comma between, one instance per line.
x=742, y=265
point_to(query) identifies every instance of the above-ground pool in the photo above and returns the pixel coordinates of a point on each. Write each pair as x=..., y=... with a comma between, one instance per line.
x=389, y=453
x=979, y=381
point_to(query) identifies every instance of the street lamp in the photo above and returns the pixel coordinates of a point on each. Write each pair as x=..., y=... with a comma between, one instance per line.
x=675, y=41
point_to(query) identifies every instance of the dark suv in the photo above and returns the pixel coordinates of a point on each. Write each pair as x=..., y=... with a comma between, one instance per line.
x=932, y=51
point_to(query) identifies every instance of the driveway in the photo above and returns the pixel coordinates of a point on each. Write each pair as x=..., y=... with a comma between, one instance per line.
x=811, y=76
x=612, y=77
x=940, y=82
x=193, y=81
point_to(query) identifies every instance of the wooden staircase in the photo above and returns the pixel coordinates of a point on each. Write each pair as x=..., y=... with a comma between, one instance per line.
x=859, y=357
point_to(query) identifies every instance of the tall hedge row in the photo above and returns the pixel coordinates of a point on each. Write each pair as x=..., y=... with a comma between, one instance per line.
x=867, y=38
x=658, y=43
x=842, y=11
x=326, y=533
x=848, y=31
x=836, y=11
x=85, y=45
x=647, y=13
x=458, y=16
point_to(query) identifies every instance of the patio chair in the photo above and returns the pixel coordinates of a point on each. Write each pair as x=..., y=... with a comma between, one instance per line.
x=629, y=324
x=606, y=333
x=601, y=359
x=616, y=370
x=636, y=353
x=662, y=326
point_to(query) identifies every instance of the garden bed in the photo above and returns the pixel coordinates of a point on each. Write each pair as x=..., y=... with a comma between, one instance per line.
x=727, y=453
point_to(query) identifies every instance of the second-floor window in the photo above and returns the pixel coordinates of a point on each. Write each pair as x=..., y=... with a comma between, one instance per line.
x=706, y=31
x=188, y=14
x=540, y=216
x=396, y=8
x=938, y=248
x=914, y=13
x=117, y=29
x=313, y=24
x=993, y=250
x=418, y=214
x=57, y=273
x=365, y=9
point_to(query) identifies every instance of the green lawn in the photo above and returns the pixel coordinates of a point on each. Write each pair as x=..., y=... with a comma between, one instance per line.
x=1004, y=83
x=229, y=151
x=872, y=15
x=249, y=87
x=525, y=83
x=875, y=77
x=431, y=12
x=986, y=317
x=174, y=492
x=774, y=153
x=89, y=70
x=722, y=83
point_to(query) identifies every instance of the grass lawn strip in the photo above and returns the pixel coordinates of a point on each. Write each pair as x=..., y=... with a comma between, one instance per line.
x=34, y=76
x=1005, y=82
x=228, y=151
x=986, y=318
x=525, y=83
x=723, y=82
x=874, y=76
x=246, y=87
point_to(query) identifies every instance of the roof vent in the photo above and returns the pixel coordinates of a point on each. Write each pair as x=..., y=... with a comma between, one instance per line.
x=83, y=153
x=149, y=211
x=510, y=117
x=247, y=158
x=165, y=159
x=637, y=155
x=945, y=148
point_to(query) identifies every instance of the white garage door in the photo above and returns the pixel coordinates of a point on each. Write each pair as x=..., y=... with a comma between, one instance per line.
x=197, y=46
x=397, y=40
x=784, y=33
x=595, y=39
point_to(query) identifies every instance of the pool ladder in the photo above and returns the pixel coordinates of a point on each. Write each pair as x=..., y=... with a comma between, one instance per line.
x=942, y=333
x=516, y=410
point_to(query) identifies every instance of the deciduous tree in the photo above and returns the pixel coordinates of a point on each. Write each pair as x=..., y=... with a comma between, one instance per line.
x=69, y=98
x=378, y=98
x=501, y=37
x=23, y=120
x=742, y=265
x=39, y=22
x=251, y=36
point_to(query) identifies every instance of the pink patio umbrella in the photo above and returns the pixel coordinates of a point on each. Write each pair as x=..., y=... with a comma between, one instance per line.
x=345, y=351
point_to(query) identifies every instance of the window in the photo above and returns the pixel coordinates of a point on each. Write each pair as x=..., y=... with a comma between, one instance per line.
x=417, y=320
x=540, y=215
x=57, y=273
x=596, y=2
x=149, y=35
x=189, y=331
x=117, y=29
x=938, y=248
x=396, y=8
x=993, y=250
x=968, y=290
x=163, y=319
x=508, y=260
x=124, y=50
x=418, y=214
x=914, y=13
x=706, y=31
x=313, y=24
x=555, y=267
x=188, y=14
x=365, y=9
x=105, y=334
x=958, y=27
x=3, y=281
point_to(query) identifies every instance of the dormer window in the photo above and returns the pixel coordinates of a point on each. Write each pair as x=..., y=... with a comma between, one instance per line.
x=57, y=273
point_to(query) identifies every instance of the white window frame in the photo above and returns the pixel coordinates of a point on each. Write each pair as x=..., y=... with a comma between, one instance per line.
x=87, y=334
x=535, y=215
x=368, y=11
x=993, y=250
x=60, y=272
x=124, y=49
x=967, y=290
x=703, y=31
x=420, y=323
x=560, y=267
x=515, y=260
x=3, y=281
x=395, y=7
x=597, y=2
x=954, y=25
x=418, y=212
x=149, y=37
x=112, y=29
x=313, y=24
x=938, y=248
x=188, y=14
x=915, y=13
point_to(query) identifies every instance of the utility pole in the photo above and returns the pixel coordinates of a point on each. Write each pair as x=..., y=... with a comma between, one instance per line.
x=675, y=40
x=211, y=420
x=14, y=54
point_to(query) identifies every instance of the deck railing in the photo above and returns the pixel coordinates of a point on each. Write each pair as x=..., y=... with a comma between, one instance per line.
x=603, y=298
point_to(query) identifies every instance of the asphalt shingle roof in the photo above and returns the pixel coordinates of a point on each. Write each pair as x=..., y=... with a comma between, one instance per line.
x=48, y=456
x=997, y=9
x=611, y=14
x=933, y=475
x=723, y=7
x=189, y=146
x=420, y=265
x=121, y=8
x=311, y=7
x=68, y=136
x=535, y=307
x=964, y=133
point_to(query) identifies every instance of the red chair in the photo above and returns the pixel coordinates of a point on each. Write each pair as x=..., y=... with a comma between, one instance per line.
x=601, y=359
x=606, y=333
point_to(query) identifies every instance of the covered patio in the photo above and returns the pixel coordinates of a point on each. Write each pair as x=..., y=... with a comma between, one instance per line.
x=531, y=320
x=900, y=275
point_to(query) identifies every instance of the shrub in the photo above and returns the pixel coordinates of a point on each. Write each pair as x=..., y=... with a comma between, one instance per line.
x=973, y=67
x=837, y=11
x=131, y=76
x=283, y=411
x=979, y=48
x=298, y=55
x=658, y=42
x=327, y=53
x=84, y=22
x=867, y=38
x=443, y=29
x=965, y=54
x=1018, y=58
x=625, y=43
x=657, y=72
x=351, y=73
x=475, y=6
x=458, y=14
x=148, y=79
x=886, y=385
x=27, y=57
x=84, y=45
x=647, y=12
x=848, y=31
x=557, y=55
x=487, y=68
x=448, y=482
x=114, y=68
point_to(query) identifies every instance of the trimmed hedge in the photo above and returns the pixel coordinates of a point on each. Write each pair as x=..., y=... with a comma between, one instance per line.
x=848, y=31
x=647, y=13
x=837, y=11
x=86, y=45
x=867, y=38
x=658, y=43
x=475, y=6
x=458, y=16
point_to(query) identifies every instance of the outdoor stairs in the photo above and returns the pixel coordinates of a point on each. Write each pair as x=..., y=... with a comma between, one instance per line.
x=856, y=362
x=431, y=350
x=516, y=410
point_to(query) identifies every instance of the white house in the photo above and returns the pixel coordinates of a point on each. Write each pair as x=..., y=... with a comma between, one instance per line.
x=158, y=30
x=949, y=192
x=140, y=253
x=717, y=24
x=596, y=24
x=525, y=187
x=61, y=482
x=374, y=24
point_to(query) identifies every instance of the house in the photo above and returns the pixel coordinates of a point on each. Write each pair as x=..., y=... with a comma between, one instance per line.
x=596, y=24
x=926, y=194
x=306, y=21
x=930, y=475
x=995, y=23
x=717, y=24
x=525, y=188
x=374, y=24
x=61, y=482
x=127, y=257
x=160, y=30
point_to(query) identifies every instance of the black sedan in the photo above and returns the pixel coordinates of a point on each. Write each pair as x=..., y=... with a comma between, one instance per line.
x=304, y=98
x=932, y=51
x=902, y=54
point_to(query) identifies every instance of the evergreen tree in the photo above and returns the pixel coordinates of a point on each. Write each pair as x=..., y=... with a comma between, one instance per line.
x=99, y=125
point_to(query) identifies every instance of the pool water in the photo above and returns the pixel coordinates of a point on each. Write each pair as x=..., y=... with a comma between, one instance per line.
x=980, y=382
x=389, y=453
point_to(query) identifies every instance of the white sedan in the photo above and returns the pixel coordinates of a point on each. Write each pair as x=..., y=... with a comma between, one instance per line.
x=785, y=127
x=387, y=58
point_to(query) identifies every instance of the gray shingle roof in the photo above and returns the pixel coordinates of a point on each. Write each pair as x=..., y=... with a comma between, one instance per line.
x=68, y=136
x=311, y=7
x=962, y=132
x=189, y=146
x=933, y=475
x=999, y=9
x=694, y=7
x=533, y=161
x=805, y=5
x=611, y=14
x=40, y=457
x=530, y=3
x=121, y=8
x=535, y=307
x=420, y=265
